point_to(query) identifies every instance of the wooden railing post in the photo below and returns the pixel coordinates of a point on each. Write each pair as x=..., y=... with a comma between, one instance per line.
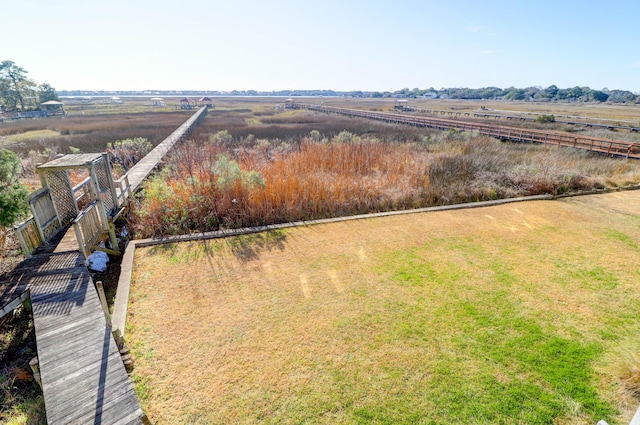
x=103, y=302
x=80, y=239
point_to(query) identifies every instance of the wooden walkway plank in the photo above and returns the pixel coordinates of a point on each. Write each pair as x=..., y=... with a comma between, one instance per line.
x=83, y=378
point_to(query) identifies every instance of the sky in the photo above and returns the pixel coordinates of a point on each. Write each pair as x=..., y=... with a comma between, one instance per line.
x=340, y=45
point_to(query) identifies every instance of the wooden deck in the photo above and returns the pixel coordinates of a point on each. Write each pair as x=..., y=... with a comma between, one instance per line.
x=83, y=378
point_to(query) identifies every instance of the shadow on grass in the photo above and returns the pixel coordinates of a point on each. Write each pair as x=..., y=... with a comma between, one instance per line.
x=249, y=247
x=245, y=247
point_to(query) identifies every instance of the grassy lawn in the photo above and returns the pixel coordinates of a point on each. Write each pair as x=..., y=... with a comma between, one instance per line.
x=510, y=314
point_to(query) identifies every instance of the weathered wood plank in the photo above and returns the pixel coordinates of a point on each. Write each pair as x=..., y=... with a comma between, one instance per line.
x=83, y=378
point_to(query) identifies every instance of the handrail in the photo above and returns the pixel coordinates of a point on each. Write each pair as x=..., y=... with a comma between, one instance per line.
x=89, y=228
x=122, y=184
x=84, y=186
x=28, y=235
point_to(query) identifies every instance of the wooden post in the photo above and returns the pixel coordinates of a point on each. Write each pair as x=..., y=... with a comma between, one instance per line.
x=103, y=301
x=113, y=238
x=35, y=368
x=80, y=239
x=128, y=186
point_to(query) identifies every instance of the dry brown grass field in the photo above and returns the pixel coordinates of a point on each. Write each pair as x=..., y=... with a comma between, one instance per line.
x=513, y=314
x=89, y=133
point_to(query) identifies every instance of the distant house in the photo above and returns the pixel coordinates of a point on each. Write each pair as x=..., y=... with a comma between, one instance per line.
x=53, y=107
x=186, y=103
x=205, y=101
x=115, y=99
x=402, y=105
x=430, y=95
x=157, y=101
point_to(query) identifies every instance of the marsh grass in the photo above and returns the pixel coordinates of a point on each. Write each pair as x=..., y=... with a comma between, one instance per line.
x=320, y=176
x=89, y=133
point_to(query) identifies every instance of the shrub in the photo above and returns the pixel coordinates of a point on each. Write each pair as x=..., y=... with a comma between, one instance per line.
x=346, y=137
x=223, y=138
x=228, y=173
x=546, y=118
x=13, y=196
x=315, y=135
x=127, y=152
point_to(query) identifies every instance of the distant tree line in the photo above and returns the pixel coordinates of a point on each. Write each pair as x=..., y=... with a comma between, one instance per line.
x=537, y=94
x=20, y=93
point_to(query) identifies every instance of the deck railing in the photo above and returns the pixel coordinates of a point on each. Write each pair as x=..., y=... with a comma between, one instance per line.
x=28, y=235
x=89, y=228
x=123, y=190
x=82, y=193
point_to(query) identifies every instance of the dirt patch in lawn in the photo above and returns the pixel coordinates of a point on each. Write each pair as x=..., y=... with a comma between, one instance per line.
x=491, y=315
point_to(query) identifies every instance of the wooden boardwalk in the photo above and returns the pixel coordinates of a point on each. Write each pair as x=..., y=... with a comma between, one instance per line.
x=140, y=171
x=619, y=148
x=83, y=378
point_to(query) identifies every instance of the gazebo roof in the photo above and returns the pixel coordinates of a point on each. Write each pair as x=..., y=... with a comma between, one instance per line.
x=204, y=99
x=52, y=102
x=70, y=161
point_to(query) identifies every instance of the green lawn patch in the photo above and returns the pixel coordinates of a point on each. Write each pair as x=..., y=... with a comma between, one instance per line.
x=490, y=315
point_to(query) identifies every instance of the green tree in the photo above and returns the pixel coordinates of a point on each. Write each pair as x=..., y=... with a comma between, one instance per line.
x=46, y=93
x=15, y=88
x=514, y=94
x=574, y=92
x=551, y=91
x=13, y=194
x=599, y=96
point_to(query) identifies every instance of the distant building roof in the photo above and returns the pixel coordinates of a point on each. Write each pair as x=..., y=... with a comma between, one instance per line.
x=52, y=102
x=205, y=99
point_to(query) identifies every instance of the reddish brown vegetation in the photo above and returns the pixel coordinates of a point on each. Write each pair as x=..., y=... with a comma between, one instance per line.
x=312, y=180
x=272, y=182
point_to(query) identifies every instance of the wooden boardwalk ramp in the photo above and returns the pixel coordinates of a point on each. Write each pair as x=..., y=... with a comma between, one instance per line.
x=83, y=378
x=141, y=170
